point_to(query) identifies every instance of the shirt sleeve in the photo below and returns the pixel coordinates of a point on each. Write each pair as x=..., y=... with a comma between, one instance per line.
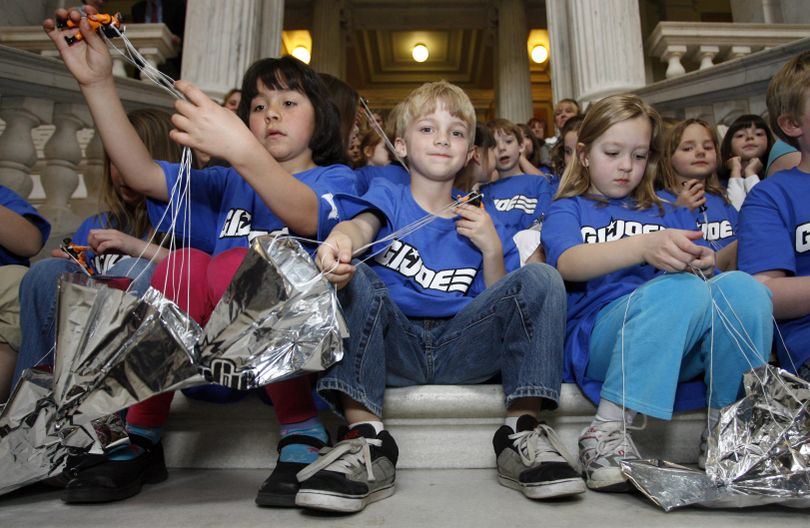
x=335, y=181
x=561, y=230
x=19, y=205
x=736, y=192
x=765, y=242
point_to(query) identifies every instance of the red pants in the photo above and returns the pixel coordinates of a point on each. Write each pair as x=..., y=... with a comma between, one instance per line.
x=210, y=277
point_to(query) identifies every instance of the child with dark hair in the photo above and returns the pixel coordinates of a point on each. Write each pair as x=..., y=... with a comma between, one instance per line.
x=744, y=154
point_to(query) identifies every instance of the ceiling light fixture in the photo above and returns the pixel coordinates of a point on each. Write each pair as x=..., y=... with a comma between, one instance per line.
x=539, y=54
x=420, y=53
x=301, y=53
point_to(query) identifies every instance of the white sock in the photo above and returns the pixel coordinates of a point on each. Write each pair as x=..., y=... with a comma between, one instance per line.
x=377, y=425
x=612, y=412
x=511, y=421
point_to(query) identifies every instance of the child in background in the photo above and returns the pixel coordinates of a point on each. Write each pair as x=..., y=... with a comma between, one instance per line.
x=565, y=150
x=373, y=152
x=640, y=334
x=232, y=99
x=774, y=229
x=435, y=307
x=478, y=170
x=282, y=148
x=535, y=151
x=689, y=179
x=393, y=171
x=744, y=155
x=23, y=232
x=117, y=238
x=564, y=110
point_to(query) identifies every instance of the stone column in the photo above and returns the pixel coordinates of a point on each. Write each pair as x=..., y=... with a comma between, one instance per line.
x=221, y=40
x=514, y=89
x=272, y=26
x=17, y=151
x=328, y=46
x=608, y=54
x=562, y=74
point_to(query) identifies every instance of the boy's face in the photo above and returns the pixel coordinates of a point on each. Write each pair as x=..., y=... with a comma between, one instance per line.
x=437, y=145
x=508, y=150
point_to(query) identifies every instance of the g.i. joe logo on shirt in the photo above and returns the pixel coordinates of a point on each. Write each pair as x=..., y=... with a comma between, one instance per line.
x=716, y=230
x=104, y=263
x=405, y=260
x=524, y=203
x=238, y=224
x=617, y=229
x=803, y=238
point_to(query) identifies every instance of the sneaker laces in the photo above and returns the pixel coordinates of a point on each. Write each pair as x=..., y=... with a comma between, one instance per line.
x=541, y=444
x=344, y=457
x=616, y=438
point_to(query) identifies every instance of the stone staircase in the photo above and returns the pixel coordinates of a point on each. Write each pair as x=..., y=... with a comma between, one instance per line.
x=436, y=426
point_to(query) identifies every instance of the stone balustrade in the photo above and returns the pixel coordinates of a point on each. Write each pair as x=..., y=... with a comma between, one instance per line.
x=698, y=46
x=725, y=91
x=47, y=133
x=153, y=41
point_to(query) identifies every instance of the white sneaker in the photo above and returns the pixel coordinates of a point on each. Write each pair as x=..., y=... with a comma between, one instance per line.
x=602, y=445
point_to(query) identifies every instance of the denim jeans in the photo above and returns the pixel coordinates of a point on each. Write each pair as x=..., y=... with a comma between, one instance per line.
x=515, y=327
x=670, y=333
x=38, y=295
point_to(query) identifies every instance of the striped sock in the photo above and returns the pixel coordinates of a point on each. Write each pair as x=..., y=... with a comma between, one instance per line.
x=302, y=453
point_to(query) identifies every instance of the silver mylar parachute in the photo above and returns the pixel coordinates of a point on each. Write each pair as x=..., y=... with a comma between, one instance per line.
x=759, y=454
x=278, y=318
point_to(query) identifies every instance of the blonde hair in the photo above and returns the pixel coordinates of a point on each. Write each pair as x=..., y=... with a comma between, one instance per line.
x=428, y=98
x=787, y=93
x=668, y=178
x=153, y=127
x=576, y=180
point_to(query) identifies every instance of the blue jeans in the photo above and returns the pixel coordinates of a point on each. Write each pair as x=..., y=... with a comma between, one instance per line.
x=38, y=295
x=515, y=327
x=668, y=338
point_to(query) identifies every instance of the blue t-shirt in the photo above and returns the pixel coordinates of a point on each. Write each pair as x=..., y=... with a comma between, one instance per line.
x=774, y=234
x=226, y=212
x=392, y=172
x=518, y=202
x=718, y=222
x=433, y=272
x=573, y=221
x=17, y=204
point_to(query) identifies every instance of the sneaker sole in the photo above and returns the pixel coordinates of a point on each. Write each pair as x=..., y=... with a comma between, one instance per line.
x=608, y=486
x=275, y=500
x=323, y=500
x=99, y=494
x=547, y=490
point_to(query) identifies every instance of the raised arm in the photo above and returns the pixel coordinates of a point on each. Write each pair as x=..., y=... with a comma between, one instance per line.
x=89, y=61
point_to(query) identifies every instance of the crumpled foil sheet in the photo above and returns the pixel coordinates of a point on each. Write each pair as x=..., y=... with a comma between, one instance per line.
x=114, y=350
x=278, y=319
x=34, y=445
x=758, y=455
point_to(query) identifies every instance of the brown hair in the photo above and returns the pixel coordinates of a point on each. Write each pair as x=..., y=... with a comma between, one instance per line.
x=558, y=151
x=668, y=178
x=507, y=127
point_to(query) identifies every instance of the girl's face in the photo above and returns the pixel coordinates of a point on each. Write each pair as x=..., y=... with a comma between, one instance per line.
x=486, y=164
x=539, y=130
x=284, y=121
x=528, y=147
x=127, y=195
x=232, y=102
x=563, y=113
x=508, y=150
x=696, y=156
x=378, y=156
x=617, y=159
x=569, y=147
x=749, y=143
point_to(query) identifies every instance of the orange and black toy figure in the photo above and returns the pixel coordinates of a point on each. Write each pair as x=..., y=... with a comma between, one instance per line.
x=100, y=22
x=474, y=199
x=78, y=254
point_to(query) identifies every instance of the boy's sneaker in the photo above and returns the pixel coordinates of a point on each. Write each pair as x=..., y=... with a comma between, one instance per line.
x=534, y=461
x=281, y=486
x=359, y=470
x=103, y=480
x=602, y=445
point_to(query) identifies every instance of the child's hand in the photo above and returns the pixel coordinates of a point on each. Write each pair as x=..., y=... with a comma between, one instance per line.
x=754, y=167
x=673, y=249
x=692, y=195
x=734, y=165
x=88, y=60
x=58, y=253
x=706, y=262
x=476, y=224
x=334, y=258
x=202, y=124
x=114, y=241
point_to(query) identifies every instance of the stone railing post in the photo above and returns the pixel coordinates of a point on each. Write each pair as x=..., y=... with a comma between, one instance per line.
x=17, y=151
x=706, y=54
x=672, y=56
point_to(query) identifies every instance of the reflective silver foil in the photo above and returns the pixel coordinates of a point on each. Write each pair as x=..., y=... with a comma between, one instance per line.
x=759, y=454
x=114, y=350
x=278, y=319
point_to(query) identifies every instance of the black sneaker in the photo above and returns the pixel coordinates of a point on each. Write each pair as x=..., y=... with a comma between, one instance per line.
x=99, y=479
x=359, y=470
x=281, y=486
x=534, y=461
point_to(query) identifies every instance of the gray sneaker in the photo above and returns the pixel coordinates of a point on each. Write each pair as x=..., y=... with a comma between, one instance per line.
x=534, y=461
x=602, y=445
x=358, y=470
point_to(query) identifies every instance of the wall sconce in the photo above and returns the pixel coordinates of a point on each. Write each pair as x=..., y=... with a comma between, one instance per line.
x=539, y=54
x=301, y=53
x=420, y=53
